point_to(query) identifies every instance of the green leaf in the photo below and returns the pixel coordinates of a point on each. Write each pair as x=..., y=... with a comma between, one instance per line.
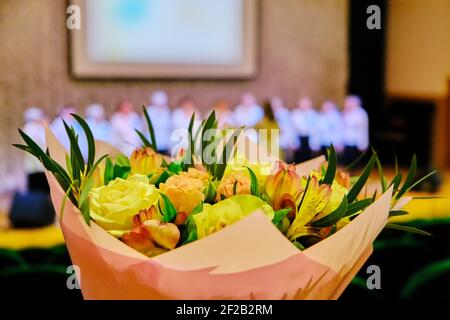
x=109, y=171
x=220, y=168
x=175, y=167
x=191, y=141
x=334, y=216
x=381, y=173
x=279, y=215
x=87, y=186
x=254, y=186
x=168, y=210
x=76, y=156
x=394, y=213
x=51, y=165
x=121, y=172
x=162, y=178
x=396, y=181
x=96, y=164
x=357, y=187
x=122, y=161
x=331, y=169
x=409, y=178
x=298, y=245
x=150, y=129
x=90, y=140
x=85, y=211
x=209, y=123
x=144, y=140
x=356, y=161
x=407, y=229
x=211, y=192
x=357, y=206
x=63, y=203
x=421, y=180
x=198, y=208
x=190, y=233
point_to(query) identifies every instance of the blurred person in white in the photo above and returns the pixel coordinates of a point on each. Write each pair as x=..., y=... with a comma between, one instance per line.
x=34, y=127
x=124, y=122
x=288, y=138
x=305, y=119
x=58, y=129
x=248, y=113
x=224, y=114
x=100, y=126
x=160, y=115
x=356, y=128
x=181, y=117
x=331, y=127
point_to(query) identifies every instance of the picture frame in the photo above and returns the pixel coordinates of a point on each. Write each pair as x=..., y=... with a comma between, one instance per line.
x=81, y=67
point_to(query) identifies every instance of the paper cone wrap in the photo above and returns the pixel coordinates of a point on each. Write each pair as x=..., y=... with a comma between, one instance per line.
x=250, y=259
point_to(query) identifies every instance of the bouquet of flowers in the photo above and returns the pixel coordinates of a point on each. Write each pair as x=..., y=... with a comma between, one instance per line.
x=209, y=223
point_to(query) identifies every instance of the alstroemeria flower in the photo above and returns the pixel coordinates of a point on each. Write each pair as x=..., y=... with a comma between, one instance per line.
x=145, y=161
x=343, y=178
x=185, y=193
x=233, y=184
x=315, y=200
x=337, y=195
x=216, y=217
x=149, y=235
x=284, y=189
x=113, y=206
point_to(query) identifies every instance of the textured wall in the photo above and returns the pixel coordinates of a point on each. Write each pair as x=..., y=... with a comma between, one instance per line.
x=418, y=48
x=303, y=51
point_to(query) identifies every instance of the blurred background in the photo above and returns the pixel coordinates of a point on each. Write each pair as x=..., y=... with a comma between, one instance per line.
x=321, y=71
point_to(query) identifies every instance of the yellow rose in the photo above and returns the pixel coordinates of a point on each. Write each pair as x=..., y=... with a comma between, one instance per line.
x=145, y=161
x=216, y=217
x=232, y=184
x=184, y=192
x=114, y=205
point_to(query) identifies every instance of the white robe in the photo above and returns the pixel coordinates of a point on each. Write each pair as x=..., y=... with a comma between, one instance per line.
x=356, y=128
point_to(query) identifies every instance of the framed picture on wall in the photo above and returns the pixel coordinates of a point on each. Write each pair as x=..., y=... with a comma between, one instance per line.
x=155, y=39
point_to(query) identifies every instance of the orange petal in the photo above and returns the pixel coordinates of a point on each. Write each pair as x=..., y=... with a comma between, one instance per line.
x=166, y=235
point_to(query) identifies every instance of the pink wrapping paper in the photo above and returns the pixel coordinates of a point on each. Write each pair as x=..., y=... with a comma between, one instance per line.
x=250, y=259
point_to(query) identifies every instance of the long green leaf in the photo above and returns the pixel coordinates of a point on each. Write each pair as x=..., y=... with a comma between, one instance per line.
x=381, y=174
x=331, y=169
x=357, y=206
x=191, y=141
x=407, y=229
x=90, y=141
x=109, y=171
x=394, y=213
x=409, y=178
x=85, y=211
x=254, y=185
x=150, y=129
x=421, y=180
x=87, y=186
x=209, y=123
x=334, y=216
x=357, y=187
x=144, y=140
x=75, y=153
x=230, y=145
